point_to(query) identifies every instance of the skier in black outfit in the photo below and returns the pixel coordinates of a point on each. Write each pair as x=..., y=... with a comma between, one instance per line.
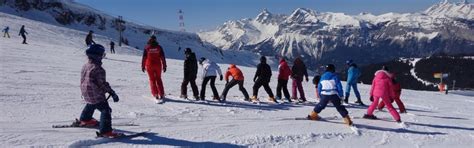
x=89, y=40
x=112, y=47
x=190, y=72
x=262, y=78
x=23, y=34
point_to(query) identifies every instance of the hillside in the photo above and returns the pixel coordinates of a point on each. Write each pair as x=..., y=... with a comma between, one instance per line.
x=70, y=14
x=459, y=69
x=39, y=85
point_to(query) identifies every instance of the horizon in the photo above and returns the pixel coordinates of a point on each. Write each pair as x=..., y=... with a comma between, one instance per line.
x=200, y=15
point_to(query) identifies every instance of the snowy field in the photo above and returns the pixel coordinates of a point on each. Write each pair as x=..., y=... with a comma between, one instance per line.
x=39, y=85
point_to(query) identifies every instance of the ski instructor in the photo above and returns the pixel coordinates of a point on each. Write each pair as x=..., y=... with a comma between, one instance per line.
x=153, y=62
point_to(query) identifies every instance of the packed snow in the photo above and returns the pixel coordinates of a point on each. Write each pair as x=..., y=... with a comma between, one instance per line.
x=39, y=85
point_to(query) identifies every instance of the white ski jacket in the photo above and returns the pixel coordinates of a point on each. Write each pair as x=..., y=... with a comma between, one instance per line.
x=210, y=69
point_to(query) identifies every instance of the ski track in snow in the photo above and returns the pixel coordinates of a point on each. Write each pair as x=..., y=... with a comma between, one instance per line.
x=40, y=87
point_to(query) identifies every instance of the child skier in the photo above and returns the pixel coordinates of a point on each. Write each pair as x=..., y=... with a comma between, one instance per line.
x=237, y=78
x=153, y=61
x=330, y=89
x=93, y=88
x=190, y=74
x=397, y=90
x=353, y=74
x=382, y=89
x=5, y=32
x=262, y=78
x=298, y=72
x=209, y=73
x=284, y=73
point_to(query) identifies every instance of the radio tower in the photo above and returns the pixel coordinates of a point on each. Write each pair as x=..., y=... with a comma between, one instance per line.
x=181, y=21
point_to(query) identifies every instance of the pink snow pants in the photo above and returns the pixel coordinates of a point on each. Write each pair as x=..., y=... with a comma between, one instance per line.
x=387, y=102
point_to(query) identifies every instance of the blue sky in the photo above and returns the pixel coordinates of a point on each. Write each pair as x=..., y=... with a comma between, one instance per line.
x=208, y=14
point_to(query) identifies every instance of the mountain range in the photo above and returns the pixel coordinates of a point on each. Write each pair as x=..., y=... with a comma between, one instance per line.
x=327, y=37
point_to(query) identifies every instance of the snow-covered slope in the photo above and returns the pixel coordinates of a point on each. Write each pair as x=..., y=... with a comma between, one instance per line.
x=323, y=37
x=70, y=14
x=39, y=85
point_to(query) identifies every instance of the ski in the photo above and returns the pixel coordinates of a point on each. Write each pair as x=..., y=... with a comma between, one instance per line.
x=157, y=101
x=131, y=135
x=76, y=124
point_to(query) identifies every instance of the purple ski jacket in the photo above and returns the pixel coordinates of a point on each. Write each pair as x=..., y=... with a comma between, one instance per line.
x=93, y=84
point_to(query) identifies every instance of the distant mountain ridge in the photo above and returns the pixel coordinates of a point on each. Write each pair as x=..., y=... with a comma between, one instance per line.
x=327, y=37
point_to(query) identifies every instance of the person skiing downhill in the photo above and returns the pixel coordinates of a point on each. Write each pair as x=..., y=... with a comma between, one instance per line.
x=153, y=62
x=93, y=89
x=23, y=34
x=284, y=73
x=209, y=73
x=397, y=90
x=5, y=32
x=382, y=88
x=353, y=74
x=89, y=40
x=237, y=78
x=330, y=89
x=190, y=72
x=262, y=78
x=298, y=72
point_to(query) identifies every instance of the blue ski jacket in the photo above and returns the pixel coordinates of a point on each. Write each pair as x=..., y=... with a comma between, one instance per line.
x=330, y=84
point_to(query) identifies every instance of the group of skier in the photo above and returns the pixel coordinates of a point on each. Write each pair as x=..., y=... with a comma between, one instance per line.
x=329, y=87
x=21, y=33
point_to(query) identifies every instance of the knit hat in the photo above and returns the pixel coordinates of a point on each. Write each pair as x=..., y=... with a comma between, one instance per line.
x=202, y=59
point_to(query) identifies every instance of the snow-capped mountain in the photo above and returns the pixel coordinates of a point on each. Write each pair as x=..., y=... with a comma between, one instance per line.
x=322, y=37
x=68, y=13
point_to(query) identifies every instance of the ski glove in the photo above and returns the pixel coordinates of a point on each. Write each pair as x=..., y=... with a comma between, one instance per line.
x=114, y=96
x=220, y=77
x=143, y=69
x=371, y=99
x=164, y=69
x=307, y=80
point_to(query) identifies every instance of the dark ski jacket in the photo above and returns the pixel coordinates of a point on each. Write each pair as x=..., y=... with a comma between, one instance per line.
x=190, y=66
x=22, y=31
x=89, y=40
x=264, y=72
x=299, y=69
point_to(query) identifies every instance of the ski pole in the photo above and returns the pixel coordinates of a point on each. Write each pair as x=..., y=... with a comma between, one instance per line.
x=108, y=98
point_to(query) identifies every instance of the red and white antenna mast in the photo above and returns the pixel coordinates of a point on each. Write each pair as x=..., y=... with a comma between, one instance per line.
x=181, y=21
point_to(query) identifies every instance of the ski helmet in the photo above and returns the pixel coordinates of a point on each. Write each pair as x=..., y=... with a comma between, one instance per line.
x=95, y=50
x=330, y=68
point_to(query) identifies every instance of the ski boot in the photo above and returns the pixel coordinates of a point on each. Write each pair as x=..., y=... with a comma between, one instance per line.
x=89, y=123
x=313, y=116
x=254, y=99
x=366, y=116
x=347, y=120
x=110, y=134
x=183, y=96
x=272, y=99
x=346, y=100
x=197, y=98
x=359, y=102
x=302, y=100
x=215, y=98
